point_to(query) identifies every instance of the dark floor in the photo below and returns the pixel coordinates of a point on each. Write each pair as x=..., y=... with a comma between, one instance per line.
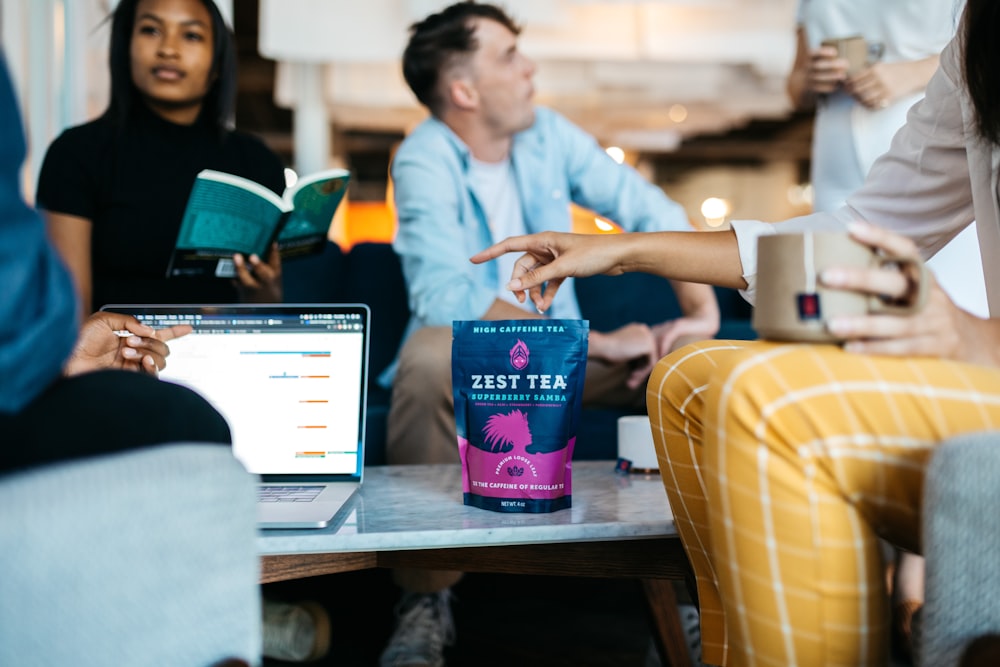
x=501, y=619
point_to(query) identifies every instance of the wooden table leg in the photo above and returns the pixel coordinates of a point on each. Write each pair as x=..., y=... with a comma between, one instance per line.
x=666, y=622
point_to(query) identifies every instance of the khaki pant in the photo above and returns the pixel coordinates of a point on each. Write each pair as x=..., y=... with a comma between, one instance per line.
x=421, y=424
x=783, y=464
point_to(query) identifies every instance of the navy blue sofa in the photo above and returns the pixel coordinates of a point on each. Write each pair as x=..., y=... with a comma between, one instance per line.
x=370, y=273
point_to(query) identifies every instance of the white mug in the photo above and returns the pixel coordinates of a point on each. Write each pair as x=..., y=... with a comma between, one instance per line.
x=635, y=443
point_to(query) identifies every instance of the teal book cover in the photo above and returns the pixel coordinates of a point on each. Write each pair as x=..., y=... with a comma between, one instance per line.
x=228, y=214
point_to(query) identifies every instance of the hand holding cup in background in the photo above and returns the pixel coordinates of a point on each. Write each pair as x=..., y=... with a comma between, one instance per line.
x=792, y=303
x=857, y=51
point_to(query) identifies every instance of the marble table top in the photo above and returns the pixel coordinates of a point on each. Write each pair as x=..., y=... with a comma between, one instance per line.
x=420, y=507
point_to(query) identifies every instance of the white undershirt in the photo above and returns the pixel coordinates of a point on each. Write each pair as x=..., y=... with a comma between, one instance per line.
x=496, y=189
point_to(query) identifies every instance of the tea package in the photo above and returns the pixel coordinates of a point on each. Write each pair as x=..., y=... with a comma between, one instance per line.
x=518, y=387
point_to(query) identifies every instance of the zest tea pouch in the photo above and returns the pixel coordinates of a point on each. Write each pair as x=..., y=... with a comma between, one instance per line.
x=518, y=387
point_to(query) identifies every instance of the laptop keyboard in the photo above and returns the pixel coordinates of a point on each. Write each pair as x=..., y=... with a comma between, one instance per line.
x=288, y=494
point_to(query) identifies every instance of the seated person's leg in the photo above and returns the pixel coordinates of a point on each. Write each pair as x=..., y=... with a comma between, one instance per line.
x=421, y=429
x=107, y=411
x=604, y=386
x=908, y=597
x=110, y=411
x=675, y=402
x=421, y=423
x=807, y=452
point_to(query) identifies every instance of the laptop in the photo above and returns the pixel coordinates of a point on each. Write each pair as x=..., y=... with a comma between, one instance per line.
x=291, y=381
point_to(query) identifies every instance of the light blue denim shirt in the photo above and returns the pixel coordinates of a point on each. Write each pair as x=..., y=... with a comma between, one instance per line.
x=441, y=223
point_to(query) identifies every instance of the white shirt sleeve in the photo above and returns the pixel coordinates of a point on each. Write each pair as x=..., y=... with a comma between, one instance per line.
x=747, y=232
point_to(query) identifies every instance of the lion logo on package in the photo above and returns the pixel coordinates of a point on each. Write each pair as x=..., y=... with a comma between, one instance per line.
x=505, y=431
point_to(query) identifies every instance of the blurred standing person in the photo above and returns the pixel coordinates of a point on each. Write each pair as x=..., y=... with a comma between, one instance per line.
x=857, y=114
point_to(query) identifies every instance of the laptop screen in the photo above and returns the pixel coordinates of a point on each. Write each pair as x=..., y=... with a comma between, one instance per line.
x=289, y=379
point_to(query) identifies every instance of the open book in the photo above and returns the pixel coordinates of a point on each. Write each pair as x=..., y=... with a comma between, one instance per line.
x=228, y=214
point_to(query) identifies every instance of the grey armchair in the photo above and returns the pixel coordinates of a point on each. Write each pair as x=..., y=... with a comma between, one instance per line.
x=961, y=540
x=139, y=558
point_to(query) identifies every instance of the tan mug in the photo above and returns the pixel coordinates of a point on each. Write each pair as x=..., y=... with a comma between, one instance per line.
x=792, y=305
x=856, y=50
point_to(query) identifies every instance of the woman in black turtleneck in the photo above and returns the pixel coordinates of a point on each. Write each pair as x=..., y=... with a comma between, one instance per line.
x=114, y=190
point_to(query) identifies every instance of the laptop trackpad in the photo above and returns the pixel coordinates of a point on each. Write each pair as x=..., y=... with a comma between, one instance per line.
x=301, y=513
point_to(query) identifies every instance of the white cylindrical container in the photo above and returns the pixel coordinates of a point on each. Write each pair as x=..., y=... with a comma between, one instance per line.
x=635, y=443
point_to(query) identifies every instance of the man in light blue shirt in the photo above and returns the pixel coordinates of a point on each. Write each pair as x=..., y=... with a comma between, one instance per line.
x=490, y=164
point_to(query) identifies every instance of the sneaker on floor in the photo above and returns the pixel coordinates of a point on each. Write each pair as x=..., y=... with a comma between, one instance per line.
x=295, y=632
x=691, y=624
x=691, y=627
x=424, y=626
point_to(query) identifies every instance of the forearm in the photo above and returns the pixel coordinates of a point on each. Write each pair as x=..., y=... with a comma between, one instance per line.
x=799, y=94
x=710, y=258
x=696, y=300
x=548, y=257
x=70, y=235
x=797, y=84
x=914, y=75
x=981, y=344
x=599, y=345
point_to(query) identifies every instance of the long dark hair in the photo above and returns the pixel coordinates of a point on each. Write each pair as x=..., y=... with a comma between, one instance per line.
x=981, y=53
x=217, y=107
x=438, y=40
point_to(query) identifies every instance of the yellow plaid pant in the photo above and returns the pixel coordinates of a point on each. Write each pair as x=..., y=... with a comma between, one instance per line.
x=783, y=465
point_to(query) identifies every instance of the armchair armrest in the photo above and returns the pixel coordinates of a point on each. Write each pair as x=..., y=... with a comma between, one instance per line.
x=961, y=542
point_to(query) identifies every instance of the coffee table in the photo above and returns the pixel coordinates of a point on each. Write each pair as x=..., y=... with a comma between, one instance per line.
x=413, y=516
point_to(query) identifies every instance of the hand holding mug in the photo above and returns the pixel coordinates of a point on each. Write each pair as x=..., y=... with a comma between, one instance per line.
x=854, y=50
x=827, y=69
x=923, y=321
x=938, y=329
x=870, y=81
x=808, y=283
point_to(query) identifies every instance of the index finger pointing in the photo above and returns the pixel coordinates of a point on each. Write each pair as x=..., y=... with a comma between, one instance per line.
x=509, y=244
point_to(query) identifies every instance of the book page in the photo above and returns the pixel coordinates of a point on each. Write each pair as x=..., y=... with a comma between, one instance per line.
x=246, y=184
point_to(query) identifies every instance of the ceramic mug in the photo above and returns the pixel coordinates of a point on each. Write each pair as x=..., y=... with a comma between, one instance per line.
x=792, y=305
